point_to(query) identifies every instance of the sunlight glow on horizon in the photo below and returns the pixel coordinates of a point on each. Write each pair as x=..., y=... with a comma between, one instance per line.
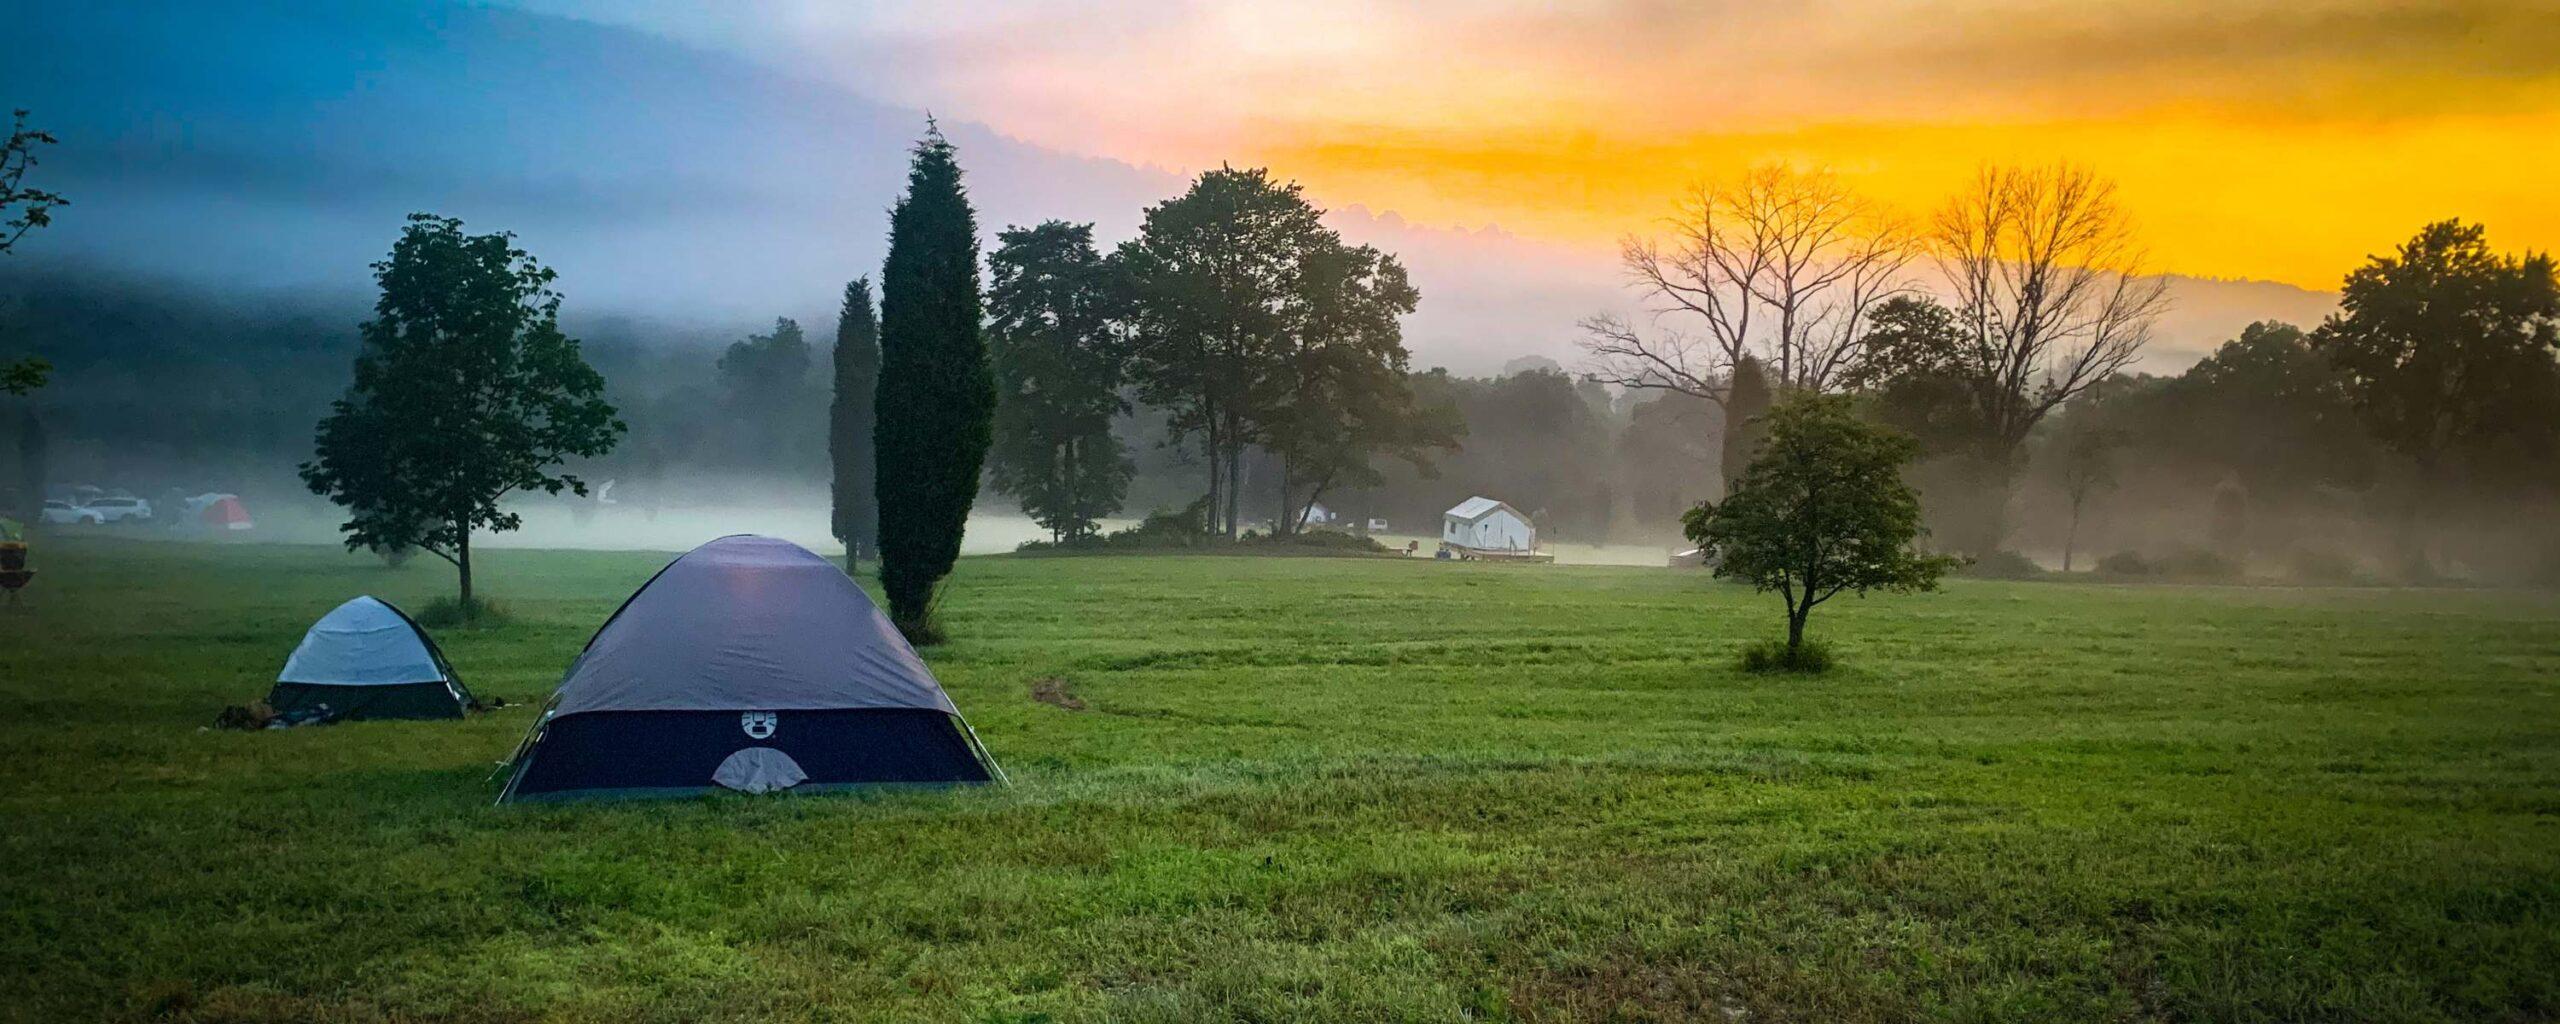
x=2274, y=139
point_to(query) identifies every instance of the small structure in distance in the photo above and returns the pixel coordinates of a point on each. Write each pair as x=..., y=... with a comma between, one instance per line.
x=1487, y=529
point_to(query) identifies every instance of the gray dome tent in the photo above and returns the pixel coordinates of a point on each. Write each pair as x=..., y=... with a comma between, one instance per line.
x=367, y=659
x=753, y=664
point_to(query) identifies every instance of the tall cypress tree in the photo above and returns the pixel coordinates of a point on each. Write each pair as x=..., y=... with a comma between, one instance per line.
x=937, y=395
x=857, y=508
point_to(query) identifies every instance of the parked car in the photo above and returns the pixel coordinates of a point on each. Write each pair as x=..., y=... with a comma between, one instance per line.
x=63, y=513
x=117, y=510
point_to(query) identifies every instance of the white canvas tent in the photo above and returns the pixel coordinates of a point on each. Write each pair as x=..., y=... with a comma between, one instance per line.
x=1484, y=524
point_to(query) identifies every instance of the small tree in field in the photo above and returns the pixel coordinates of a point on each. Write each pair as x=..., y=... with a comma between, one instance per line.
x=465, y=390
x=1822, y=509
x=2084, y=463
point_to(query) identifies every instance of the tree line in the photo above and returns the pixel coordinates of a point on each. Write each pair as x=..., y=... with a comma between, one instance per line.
x=2419, y=420
x=1999, y=330
x=1241, y=363
x=1235, y=315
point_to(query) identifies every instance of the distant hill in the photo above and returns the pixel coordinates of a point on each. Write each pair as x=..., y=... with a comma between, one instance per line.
x=2206, y=311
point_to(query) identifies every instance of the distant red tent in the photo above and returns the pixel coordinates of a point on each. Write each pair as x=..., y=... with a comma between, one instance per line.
x=226, y=513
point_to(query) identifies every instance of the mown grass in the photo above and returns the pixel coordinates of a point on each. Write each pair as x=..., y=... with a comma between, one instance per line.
x=1324, y=789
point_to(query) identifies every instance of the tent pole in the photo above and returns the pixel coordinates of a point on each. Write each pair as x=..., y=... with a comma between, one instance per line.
x=984, y=757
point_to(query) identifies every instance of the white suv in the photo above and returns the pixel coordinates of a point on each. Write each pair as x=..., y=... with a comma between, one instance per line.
x=63, y=513
x=117, y=510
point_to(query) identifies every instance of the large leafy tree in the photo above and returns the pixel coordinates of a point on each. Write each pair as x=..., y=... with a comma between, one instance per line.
x=936, y=394
x=1913, y=378
x=1821, y=511
x=769, y=398
x=1214, y=284
x=1331, y=393
x=465, y=391
x=2448, y=350
x=856, y=518
x=1052, y=330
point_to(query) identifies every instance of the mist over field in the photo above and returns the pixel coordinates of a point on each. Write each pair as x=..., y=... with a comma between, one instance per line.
x=1029, y=512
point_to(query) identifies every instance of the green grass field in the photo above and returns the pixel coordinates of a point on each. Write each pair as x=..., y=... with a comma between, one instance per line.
x=1325, y=789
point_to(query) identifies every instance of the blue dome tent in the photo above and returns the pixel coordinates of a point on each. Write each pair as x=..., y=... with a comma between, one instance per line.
x=368, y=659
x=750, y=664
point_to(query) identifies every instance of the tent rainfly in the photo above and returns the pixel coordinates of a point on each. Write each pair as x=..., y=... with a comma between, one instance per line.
x=366, y=659
x=749, y=663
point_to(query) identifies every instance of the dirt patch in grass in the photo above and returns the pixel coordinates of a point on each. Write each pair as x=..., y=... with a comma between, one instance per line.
x=1055, y=692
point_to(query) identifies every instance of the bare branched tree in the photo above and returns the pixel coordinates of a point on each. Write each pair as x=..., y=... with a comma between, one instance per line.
x=2050, y=291
x=1781, y=264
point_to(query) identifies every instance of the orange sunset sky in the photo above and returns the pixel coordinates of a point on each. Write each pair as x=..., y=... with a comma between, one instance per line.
x=2271, y=140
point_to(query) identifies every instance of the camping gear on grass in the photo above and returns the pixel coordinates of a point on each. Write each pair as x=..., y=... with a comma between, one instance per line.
x=367, y=659
x=244, y=717
x=752, y=664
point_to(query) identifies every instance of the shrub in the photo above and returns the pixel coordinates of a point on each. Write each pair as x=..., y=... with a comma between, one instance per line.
x=1813, y=658
x=1088, y=542
x=447, y=613
x=2126, y=563
x=2003, y=565
x=1180, y=530
x=1331, y=539
x=1163, y=528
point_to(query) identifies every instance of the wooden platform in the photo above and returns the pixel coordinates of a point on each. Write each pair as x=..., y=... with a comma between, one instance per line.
x=1468, y=554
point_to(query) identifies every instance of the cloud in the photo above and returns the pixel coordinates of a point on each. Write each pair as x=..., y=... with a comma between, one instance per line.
x=1188, y=73
x=2268, y=138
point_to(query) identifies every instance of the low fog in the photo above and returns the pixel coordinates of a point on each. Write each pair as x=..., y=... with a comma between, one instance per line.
x=164, y=390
